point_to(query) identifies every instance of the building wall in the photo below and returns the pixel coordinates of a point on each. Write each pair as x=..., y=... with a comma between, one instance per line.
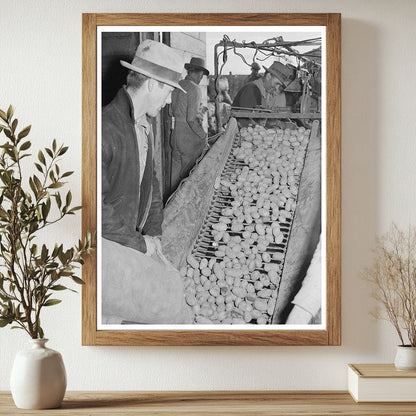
x=41, y=75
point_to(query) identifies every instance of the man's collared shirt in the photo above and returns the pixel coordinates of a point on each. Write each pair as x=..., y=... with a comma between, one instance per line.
x=142, y=127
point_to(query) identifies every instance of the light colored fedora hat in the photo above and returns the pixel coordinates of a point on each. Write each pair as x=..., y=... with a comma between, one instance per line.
x=159, y=61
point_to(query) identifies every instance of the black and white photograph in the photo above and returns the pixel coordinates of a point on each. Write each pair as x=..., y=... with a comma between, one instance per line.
x=211, y=149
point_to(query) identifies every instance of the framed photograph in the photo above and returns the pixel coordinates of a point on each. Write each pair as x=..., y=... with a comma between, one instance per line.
x=211, y=172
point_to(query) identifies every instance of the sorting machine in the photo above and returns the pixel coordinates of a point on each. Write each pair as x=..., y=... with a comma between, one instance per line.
x=200, y=200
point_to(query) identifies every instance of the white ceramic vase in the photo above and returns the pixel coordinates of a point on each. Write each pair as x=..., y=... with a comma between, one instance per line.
x=405, y=358
x=38, y=377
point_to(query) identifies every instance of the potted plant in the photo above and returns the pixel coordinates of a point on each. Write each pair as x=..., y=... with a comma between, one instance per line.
x=31, y=273
x=393, y=277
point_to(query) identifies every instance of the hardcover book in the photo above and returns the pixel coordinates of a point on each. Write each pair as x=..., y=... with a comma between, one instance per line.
x=381, y=383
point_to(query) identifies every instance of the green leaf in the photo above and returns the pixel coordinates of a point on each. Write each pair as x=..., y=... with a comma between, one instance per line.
x=14, y=125
x=5, y=321
x=68, y=199
x=63, y=150
x=8, y=133
x=3, y=115
x=37, y=183
x=10, y=112
x=25, y=145
x=67, y=174
x=40, y=332
x=24, y=132
x=44, y=253
x=58, y=199
x=33, y=187
x=76, y=279
x=41, y=158
x=39, y=167
x=56, y=185
x=49, y=152
x=45, y=211
x=51, y=302
x=77, y=208
x=54, y=145
x=59, y=287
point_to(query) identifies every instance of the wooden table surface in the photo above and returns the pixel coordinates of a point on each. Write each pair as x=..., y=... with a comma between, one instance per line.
x=179, y=403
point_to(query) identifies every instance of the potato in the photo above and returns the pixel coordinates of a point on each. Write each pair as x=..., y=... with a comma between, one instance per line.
x=206, y=311
x=278, y=256
x=260, y=305
x=214, y=290
x=251, y=296
x=211, y=300
x=207, y=285
x=205, y=271
x=238, y=321
x=262, y=320
x=218, y=236
x=239, y=292
x=219, y=272
x=264, y=293
x=219, y=226
x=236, y=273
x=203, y=320
x=229, y=306
x=213, y=278
x=273, y=276
x=266, y=257
x=192, y=261
x=270, y=306
x=191, y=300
x=247, y=317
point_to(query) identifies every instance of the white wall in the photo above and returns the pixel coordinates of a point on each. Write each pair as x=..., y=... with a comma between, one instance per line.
x=40, y=73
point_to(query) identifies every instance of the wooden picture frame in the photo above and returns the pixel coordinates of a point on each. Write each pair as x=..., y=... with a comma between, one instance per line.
x=331, y=333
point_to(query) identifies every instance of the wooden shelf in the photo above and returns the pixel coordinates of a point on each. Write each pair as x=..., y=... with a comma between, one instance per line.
x=221, y=403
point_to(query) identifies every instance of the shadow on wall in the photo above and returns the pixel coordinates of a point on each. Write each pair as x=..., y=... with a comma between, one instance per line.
x=116, y=46
x=361, y=60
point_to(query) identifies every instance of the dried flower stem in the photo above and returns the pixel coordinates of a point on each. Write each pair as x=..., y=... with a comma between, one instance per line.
x=393, y=276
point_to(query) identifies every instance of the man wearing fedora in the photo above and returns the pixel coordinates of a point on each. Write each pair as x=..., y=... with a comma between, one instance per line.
x=254, y=94
x=138, y=283
x=188, y=137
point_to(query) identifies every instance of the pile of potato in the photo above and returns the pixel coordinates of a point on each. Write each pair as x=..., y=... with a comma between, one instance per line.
x=238, y=285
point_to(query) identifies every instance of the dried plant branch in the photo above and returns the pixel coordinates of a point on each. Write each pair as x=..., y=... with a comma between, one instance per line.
x=393, y=277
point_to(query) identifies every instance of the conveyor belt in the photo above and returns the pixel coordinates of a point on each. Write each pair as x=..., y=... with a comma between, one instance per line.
x=207, y=247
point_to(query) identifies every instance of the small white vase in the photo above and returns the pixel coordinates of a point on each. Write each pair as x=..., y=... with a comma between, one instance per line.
x=405, y=358
x=38, y=377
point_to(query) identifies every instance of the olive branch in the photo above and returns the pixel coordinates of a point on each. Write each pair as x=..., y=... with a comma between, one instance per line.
x=31, y=273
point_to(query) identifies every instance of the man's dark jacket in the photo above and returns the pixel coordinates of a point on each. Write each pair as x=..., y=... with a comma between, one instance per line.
x=129, y=210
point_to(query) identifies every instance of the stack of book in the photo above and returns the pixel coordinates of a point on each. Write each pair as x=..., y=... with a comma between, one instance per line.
x=381, y=383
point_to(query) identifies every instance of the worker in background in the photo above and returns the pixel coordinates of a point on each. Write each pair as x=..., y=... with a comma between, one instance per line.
x=254, y=94
x=188, y=139
x=255, y=68
x=276, y=98
x=138, y=283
